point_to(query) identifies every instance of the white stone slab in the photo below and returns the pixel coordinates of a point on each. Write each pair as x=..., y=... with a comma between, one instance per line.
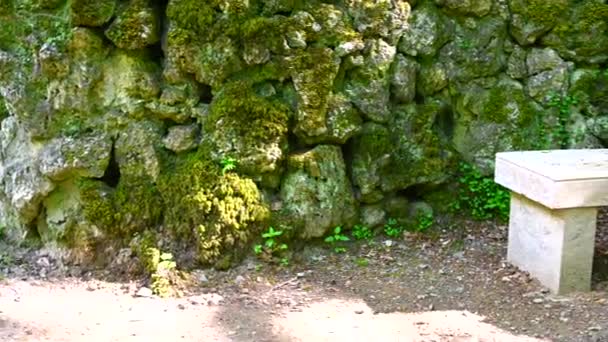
x=557, y=179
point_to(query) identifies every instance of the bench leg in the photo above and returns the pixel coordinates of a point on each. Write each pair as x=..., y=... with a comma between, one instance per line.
x=554, y=246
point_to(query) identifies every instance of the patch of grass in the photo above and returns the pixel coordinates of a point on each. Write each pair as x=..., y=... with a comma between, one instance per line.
x=335, y=240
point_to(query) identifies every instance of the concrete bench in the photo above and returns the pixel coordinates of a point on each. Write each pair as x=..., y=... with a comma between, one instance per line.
x=554, y=201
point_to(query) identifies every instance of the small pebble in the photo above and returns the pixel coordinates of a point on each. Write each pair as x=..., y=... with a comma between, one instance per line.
x=537, y=300
x=144, y=292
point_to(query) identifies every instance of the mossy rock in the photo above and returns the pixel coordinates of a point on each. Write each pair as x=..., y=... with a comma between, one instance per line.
x=495, y=119
x=136, y=26
x=586, y=42
x=249, y=128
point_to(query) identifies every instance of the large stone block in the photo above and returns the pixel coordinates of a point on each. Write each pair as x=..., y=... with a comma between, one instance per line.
x=554, y=245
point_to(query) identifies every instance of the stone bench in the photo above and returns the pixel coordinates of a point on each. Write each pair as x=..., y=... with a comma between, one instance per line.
x=554, y=201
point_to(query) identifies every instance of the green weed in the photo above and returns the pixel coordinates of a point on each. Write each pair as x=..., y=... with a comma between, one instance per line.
x=271, y=246
x=480, y=195
x=393, y=229
x=228, y=164
x=361, y=232
x=336, y=238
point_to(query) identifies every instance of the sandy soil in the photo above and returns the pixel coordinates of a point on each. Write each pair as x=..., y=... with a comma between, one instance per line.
x=94, y=311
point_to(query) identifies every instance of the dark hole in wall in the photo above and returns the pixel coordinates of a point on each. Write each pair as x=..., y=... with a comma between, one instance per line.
x=205, y=93
x=444, y=123
x=112, y=174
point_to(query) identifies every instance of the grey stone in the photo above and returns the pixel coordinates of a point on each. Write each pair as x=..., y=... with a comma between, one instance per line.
x=317, y=193
x=84, y=156
x=372, y=215
x=492, y=120
x=420, y=208
x=137, y=150
x=368, y=87
x=426, y=32
x=20, y=179
x=542, y=85
x=431, y=79
x=181, y=138
x=538, y=60
x=403, y=83
x=477, y=50
x=516, y=63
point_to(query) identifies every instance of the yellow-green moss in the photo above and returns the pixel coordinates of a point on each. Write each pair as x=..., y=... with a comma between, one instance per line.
x=545, y=12
x=97, y=202
x=218, y=213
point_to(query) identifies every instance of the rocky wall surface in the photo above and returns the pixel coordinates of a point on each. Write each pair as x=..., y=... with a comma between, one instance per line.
x=118, y=117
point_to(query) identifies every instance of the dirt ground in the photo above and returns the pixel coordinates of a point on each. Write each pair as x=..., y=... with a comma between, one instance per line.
x=452, y=285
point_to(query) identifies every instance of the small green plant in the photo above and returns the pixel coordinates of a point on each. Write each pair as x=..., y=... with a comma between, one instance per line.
x=271, y=246
x=480, y=195
x=564, y=105
x=228, y=164
x=392, y=228
x=284, y=262
x=2, y=232
x=424, y=221
x=362, y=262
x=361, y=232
x=336, y=238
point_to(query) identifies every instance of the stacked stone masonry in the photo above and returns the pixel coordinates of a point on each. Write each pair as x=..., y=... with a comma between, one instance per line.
x=116, y=115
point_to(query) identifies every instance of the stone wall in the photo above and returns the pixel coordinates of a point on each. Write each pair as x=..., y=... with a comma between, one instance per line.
x=120, y=116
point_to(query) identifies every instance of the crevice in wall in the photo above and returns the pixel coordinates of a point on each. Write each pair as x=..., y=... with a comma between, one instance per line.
x=111, y=177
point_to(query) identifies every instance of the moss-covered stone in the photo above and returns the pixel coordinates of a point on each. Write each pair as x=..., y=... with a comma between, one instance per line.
x=531, y=19
x=500, y=118
x=313, y=73
x=371, y=155
x=477, y=49
x=92, y=12
x=427, y=31
x=316, y=192
x=467, y=7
